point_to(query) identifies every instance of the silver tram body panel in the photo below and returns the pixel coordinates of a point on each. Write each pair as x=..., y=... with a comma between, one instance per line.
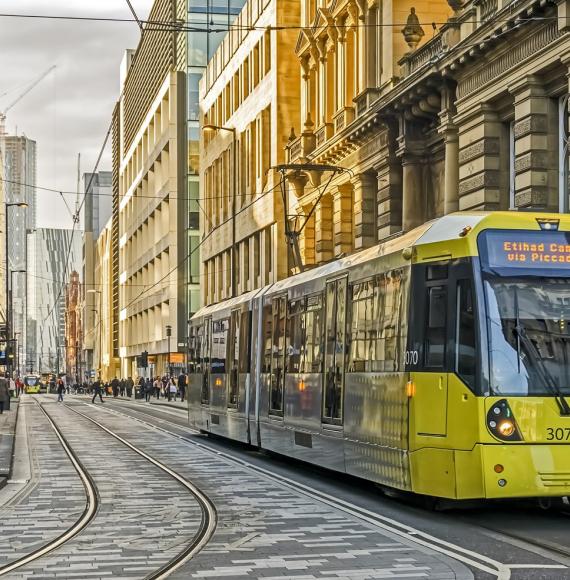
x=371, y=440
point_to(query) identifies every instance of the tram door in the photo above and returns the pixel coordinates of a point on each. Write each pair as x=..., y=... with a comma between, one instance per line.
x=335, y=349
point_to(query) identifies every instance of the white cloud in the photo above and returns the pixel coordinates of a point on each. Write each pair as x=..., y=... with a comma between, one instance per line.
x=70, y=110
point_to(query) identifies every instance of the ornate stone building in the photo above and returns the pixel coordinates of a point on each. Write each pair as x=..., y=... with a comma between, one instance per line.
x=428, y=108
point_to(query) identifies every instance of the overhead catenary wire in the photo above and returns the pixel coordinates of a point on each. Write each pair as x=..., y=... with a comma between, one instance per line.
x=176, y=26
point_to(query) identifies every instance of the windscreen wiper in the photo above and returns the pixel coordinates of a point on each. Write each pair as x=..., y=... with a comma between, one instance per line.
x=546, y=374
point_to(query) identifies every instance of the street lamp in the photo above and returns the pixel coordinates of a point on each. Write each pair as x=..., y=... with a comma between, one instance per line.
x=168, y=335
x=100, y=367
x=208, y=128
x=7, y=206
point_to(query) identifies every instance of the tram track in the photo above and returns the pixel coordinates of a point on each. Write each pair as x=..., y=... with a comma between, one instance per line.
x=471, y=558
x=209, y=518
x=201, y=538
x=91, y=507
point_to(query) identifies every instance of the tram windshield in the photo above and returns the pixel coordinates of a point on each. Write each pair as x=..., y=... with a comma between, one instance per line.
x=527, y=295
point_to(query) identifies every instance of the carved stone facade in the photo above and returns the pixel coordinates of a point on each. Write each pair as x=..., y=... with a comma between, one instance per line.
x=470, y=115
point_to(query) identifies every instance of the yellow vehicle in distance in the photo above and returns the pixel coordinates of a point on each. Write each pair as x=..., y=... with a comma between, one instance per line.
x=32, y=384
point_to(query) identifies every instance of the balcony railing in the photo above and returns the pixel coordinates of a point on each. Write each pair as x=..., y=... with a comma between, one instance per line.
x=324, y=133
x=343, y=118
x=431, y=51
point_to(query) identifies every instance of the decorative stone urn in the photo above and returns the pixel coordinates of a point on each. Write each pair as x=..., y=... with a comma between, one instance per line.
x=413, y=32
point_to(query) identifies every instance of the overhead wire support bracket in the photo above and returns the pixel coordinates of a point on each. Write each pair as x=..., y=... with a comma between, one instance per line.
x=293, y=233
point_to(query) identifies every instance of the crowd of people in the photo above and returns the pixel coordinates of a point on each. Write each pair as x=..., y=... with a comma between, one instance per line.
x=169, y=387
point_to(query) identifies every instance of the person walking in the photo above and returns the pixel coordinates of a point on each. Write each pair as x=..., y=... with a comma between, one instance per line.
x=172, y=389
x=60, y=391
x=4, y=393
x=115, y=387
x=97, y=391
x=157, y=385
x=182, y=386
x=148, y=390
x=129, y=386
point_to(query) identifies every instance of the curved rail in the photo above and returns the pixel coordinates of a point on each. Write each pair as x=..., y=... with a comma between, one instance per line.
x=209, y=514
x=92, y=496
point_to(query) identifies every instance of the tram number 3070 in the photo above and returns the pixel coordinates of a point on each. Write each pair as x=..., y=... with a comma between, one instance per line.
x=411, y=357
x=560, y=434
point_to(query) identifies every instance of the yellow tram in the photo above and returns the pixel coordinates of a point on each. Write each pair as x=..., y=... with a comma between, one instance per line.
x=32, y=384
x=437, y=362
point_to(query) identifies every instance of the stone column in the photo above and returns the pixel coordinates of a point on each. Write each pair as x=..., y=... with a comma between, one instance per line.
x=534, y=187
x=365, y=188
x=413, y=194
x=389, y=177
x=324, y=230
x=483, y=160
x=343, y=219
x=451, y=185
x=307, y=241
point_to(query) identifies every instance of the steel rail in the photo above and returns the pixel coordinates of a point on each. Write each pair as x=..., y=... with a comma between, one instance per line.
x=209, y=519
x=91, y=507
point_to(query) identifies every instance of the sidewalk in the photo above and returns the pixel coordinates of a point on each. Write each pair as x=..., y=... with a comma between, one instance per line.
x=162, y=402
x=7, y=438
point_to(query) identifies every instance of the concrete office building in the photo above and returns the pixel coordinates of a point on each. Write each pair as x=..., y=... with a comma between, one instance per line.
x=247, y=112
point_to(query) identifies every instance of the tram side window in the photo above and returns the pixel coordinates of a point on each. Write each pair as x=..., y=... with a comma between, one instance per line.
x=295, y=334
x=195, y=349
x=244, y=339
x=233, y=383
x=436, y=320
x=378, y=327
x=267, y=338
x=278, y=355
x=220, y=337
x=363, y=327
x=311, y=360
x=465, y=348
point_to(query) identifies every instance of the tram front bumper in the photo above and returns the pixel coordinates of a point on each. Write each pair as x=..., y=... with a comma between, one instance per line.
x=525, y=470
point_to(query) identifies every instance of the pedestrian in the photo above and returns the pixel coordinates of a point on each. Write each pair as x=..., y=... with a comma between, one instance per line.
x=172, y=389
x=19, y=387
x=97, y=391
x=142, y=389
x=182, y=386
x=157, y=385
x=122, y=387
x=115, y=387
x=12, y=388
x=130, y=385
x=148, y=390
x=4, y=393
x=60, y=391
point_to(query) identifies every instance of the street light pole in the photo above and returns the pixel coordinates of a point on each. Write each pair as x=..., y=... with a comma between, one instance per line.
x=92, y=291
x=7, y=206
x=168, y=335
x=232, y=130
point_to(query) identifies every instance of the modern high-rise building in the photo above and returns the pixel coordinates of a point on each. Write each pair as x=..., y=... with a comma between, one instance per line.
x=52, y=255
x=96, y=213
x=20, y=168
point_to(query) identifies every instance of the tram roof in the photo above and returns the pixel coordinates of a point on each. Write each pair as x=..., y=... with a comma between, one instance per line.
x=438, y=230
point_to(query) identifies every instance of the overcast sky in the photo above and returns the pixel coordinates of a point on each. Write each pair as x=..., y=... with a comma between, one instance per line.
x=70, y=110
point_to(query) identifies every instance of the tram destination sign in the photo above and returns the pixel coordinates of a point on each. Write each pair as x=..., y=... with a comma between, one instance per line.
x=500, y=249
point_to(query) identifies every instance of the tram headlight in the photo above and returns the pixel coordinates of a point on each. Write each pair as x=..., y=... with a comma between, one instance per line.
x=506, y=428
x=501, y=422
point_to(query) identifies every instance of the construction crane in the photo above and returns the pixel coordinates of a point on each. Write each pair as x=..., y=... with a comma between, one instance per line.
x=21, y=96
